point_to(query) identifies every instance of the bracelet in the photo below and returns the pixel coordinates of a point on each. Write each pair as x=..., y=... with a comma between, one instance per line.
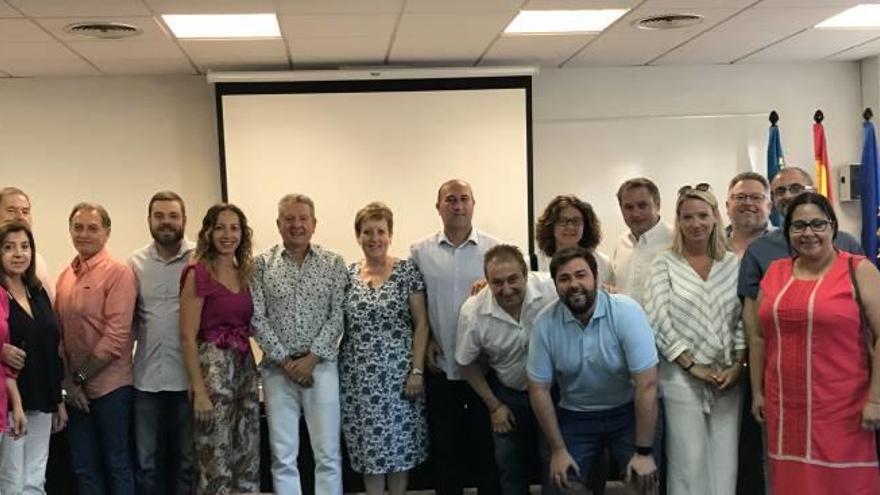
x=78, y=377
x=417, y=371
x=644, y=450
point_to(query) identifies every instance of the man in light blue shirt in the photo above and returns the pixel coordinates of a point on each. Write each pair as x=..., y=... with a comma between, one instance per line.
x=600, y=350
x=451, y=261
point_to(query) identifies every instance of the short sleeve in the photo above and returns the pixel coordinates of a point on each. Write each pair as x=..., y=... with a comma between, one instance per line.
x=415, y=282
x=635, y=334
x=205, y=285
x=540, y=363
x=749, y=280
x=467, y=347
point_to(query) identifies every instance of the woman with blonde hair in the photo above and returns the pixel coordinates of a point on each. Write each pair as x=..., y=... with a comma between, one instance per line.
x=215, y=314
x=696, y=314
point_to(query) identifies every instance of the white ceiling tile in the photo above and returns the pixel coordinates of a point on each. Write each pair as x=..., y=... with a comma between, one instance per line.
x=434, y=50
x=23, y=30
x=237, y=54
x=339, y=6
x=73, y=8
x=337, y=25
x=151, y=29
x=338, y=51
x=613, y=49
x=41, y=59
x=579, y=4
x=550, y=50
x=842, y=4
x=779, y=21
x=680, y=6
x=869, y=49
x=211, y=6
x=477, y=26
x=718, y=47
x=7, y=11
x=134, y=57
x=814, y=44
x=462, y=6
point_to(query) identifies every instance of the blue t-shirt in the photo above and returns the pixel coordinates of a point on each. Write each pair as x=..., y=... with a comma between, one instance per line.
x=593, y=365
x=771, y=247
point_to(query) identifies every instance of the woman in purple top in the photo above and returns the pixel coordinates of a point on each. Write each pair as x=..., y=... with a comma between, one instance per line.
x=215, y=314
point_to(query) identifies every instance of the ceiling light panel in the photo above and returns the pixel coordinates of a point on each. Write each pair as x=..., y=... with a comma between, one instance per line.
x=865, y=16
x=563, y=21
x=223, y=26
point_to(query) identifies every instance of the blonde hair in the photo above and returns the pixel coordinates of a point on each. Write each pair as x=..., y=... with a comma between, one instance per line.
x=717, y=245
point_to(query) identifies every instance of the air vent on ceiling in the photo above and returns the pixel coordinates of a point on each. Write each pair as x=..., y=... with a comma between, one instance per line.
x=103, y=30
x=668, y=21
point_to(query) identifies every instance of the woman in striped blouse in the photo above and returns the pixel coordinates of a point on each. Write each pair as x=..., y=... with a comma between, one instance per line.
x=696, y=314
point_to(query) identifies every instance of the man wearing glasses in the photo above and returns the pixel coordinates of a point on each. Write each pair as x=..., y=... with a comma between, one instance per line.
x=748, y=208
x=787, y=184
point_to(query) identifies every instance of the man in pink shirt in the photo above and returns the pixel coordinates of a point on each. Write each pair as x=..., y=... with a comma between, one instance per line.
x=94, y=302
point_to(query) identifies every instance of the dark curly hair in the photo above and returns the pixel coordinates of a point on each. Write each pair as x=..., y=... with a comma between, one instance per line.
x=544, y=228
x=207, y=253
x=30, y=274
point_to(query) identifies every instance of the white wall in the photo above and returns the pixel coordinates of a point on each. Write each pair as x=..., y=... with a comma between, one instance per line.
x=114, y=141
x=715, y=107
x=118, y=140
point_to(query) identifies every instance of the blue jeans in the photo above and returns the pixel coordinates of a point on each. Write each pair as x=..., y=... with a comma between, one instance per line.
x=517, y=451
x=100, y=451
x=164, y=442
x=586, y=433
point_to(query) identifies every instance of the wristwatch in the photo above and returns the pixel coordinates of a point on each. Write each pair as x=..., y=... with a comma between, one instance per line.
x=644, y=450
x=416, y=371
x=79, y=377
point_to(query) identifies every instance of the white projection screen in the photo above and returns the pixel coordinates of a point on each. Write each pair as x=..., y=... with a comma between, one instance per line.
x=347, y=143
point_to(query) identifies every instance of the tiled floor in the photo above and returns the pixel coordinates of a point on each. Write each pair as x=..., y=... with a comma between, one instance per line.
x=613, y=488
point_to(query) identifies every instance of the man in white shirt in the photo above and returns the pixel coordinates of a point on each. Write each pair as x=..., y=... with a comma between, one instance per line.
x=497, y=323
x=639, y=201
x=16, y=205
x=451, y=261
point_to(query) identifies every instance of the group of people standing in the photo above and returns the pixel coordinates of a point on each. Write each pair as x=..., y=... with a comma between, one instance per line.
x=653, y=353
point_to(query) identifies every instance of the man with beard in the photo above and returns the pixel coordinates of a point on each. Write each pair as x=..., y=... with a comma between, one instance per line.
x=600, y=351
x=496, y=323
x=786, y=185
x=748, y=208
x=161, y=406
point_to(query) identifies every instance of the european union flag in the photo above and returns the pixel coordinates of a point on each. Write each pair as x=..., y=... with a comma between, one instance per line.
x=775, y=159
x=870, y=187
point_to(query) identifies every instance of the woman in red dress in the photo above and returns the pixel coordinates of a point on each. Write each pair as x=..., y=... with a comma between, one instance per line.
x=815, y=389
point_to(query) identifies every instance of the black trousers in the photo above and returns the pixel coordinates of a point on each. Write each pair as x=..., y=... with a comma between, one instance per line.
x=461, y=438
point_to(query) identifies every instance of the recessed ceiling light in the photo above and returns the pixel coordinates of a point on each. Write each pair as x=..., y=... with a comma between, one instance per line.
x=860, y=16
x=224, y=26
x=563, y=21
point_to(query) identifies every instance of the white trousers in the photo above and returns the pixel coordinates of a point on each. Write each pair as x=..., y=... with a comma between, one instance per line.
x=701, y=449
x=23, y=461
x=285, y=402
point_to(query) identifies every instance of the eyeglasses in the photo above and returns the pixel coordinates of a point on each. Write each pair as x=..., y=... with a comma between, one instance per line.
x=571, y=221
x=794, y=189
x=702, y=186
x=754, y=198
x=816, y=225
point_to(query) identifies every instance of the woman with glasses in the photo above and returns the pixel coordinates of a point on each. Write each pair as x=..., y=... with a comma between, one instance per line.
x=696, y=314
x=568, y=221
x=812, y=380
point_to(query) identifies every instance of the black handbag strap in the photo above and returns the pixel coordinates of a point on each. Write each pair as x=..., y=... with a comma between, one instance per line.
x=867, y=334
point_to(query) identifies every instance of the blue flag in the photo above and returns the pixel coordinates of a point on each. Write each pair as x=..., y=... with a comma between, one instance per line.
x=775, y=161
x=870, y=184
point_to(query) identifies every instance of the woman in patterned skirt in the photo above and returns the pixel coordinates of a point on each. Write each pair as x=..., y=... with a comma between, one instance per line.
x=381, y=359
x=811, y=377
x=215, y=315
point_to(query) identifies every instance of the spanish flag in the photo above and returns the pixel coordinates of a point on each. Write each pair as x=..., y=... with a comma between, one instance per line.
x=820, y=152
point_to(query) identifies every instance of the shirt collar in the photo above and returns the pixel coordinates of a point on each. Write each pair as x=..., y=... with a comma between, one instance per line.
x=186, y=247
x=767, y=229
x=313, y=249
x=489, y=306
x=473, y=237
x=650, y=233
x=80, y=266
